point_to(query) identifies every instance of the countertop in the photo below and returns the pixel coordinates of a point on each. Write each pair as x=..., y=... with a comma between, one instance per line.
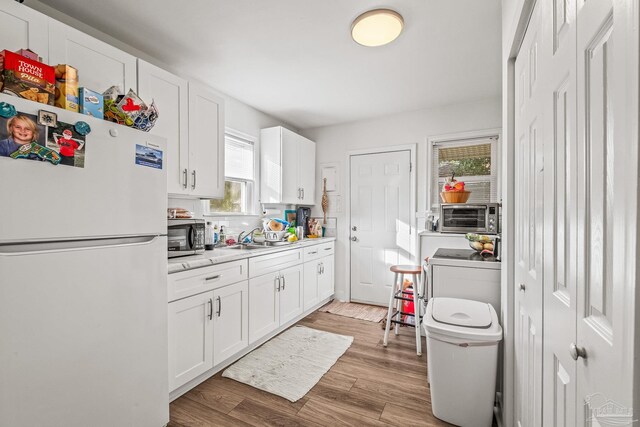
x=220, y=255
x=439, y=234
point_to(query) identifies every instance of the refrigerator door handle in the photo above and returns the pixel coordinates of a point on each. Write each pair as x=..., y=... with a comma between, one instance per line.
x=7, y=249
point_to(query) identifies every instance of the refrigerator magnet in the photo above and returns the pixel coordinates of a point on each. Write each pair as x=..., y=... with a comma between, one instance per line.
x=148, y=156
x=47, y=118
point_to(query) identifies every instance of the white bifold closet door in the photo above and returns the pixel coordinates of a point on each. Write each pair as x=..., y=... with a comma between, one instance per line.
x=576, y=136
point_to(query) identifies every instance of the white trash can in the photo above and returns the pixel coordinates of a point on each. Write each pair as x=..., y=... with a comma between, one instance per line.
x=462, y=359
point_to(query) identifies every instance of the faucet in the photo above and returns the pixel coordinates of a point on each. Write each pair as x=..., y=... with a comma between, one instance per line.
x=244, y=234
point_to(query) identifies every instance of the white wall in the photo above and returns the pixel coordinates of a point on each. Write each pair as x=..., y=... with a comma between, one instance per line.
x=334, y=142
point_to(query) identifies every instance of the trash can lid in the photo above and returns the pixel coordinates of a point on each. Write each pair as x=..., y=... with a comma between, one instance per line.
x=458, y=320
x=462, y=312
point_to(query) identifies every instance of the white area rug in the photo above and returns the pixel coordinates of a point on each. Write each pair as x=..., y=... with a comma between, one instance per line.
x=290, y=364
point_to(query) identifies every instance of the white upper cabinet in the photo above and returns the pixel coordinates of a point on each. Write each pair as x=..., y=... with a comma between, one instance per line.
x=99, y=65
x=206, y=143
x=171, y=96
x=24, y=28
x=288, y=167
x=192, y=121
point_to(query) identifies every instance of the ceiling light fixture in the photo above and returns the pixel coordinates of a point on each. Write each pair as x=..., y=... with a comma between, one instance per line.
x=377, y=27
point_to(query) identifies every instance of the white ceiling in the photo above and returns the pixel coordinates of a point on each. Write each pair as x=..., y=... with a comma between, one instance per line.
x=295, y=59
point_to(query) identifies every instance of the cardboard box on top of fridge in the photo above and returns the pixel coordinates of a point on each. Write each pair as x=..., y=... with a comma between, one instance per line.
x=91, y=103
x=26, y=78
x=28, y=53
x=66, y=87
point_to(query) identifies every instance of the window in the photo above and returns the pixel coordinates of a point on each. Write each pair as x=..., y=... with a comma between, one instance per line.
x=472, y=161
x=239, y=166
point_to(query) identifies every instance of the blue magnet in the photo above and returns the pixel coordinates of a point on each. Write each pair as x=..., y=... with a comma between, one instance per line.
x=82, y=128
x=7, y=110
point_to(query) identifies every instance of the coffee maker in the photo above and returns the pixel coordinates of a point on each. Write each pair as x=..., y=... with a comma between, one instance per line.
x=302, y=218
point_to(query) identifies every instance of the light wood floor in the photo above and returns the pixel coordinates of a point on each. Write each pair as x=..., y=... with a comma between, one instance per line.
x=369, y=385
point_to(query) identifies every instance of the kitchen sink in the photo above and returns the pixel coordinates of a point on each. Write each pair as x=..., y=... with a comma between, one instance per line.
x=264, y=245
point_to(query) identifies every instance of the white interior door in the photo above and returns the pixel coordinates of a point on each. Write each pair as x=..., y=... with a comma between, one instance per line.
x=380, y=222
x=529, y=188
x=560, y=282
x=607, y=47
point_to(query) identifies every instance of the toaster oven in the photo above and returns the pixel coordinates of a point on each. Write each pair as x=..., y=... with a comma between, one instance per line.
x=481, y=218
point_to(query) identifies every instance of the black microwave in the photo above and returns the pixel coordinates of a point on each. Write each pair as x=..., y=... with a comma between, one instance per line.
x=185, y=237
x=481, y=218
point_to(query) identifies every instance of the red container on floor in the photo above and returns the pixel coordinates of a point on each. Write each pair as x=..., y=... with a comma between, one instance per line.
x=407, y=306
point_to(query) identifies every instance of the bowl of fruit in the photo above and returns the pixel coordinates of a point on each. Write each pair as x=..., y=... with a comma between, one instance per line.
x=453, y=191
x=480, y=243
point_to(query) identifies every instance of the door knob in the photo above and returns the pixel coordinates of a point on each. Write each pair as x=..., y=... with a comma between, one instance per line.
x=522, y=287
x=354, y=239
x=577, y=352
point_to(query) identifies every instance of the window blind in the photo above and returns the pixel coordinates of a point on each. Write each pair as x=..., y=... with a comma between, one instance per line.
x=239, y=160
x=472, y=161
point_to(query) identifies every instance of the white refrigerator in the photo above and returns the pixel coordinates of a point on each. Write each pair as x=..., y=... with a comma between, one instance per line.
x=83, y=271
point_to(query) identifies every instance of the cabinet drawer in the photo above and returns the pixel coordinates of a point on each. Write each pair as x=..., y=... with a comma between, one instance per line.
x=273, y=262
x=193, y=282
x=318, y=251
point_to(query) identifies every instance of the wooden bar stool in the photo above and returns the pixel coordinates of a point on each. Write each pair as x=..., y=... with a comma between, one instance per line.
x=398, y=296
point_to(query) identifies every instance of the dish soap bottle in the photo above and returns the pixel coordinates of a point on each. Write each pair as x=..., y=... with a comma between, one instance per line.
x=216, y=235
x=223, y=236
x=208, y=237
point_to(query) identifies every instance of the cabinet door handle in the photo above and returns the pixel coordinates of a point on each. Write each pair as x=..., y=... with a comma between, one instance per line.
x=327, y=249
x=284, y=282
x=322, y=267
x=303, y=193
x=277, y=279
x=184, y=177
x=217, y=276
x=312, y=253
x=193, y=175
x=210, y=309
x=319, y=268
x=219, y=306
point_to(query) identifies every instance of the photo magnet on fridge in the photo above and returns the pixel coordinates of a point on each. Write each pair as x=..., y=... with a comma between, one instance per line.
x=148, y=156
x=68, y=143
x=21, y=137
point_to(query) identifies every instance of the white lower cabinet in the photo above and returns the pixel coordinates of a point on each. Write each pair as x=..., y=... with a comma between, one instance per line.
x=206, y=329
x=230, y=320
x=325, y=279
x=264, y=303
x=318, y=281
x=215, y=313
x=190, y=338
x=274, y=299
x=290, y=293
x=311, y=296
